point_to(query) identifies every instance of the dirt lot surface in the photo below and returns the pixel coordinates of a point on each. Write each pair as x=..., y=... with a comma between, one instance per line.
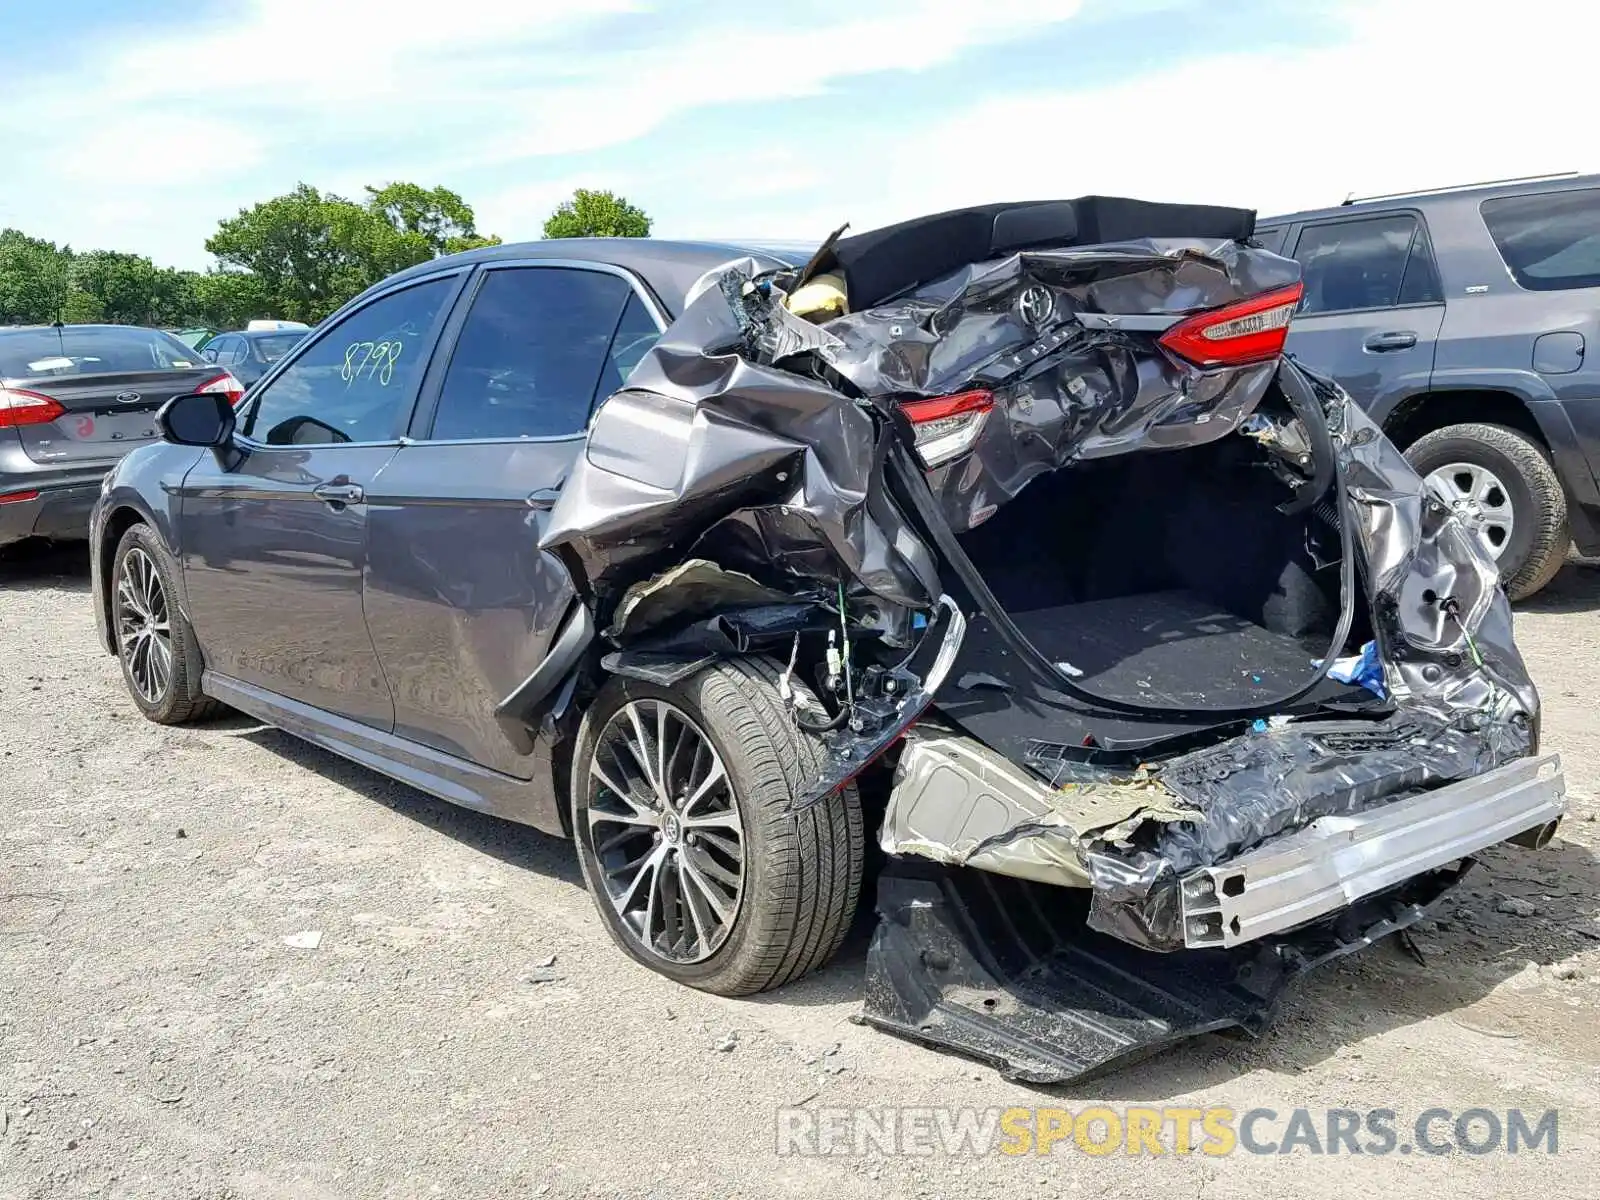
x=167, y=1030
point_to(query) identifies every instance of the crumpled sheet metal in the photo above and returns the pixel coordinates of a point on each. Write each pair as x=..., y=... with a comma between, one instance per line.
x=957, y=802
x=1092, y=392
x=701, y=433
x=708, y=425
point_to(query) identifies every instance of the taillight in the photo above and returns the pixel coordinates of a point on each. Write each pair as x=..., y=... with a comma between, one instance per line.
x=227, y=385
x=947, y=426
x=1250, y=331
x=18, y=407
x=18, y=497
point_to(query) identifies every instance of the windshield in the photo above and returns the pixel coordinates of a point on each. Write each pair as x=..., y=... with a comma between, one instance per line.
x=89, y=350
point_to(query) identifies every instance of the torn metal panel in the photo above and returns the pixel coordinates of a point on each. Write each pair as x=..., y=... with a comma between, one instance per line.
x=957, y=802
x=1003, y=971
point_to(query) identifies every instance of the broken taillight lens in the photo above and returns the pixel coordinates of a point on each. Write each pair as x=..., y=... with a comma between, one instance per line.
x=947, y=426
x=19, y=407
x=1250, y=331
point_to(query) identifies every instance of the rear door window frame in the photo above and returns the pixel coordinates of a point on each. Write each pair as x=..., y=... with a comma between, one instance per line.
x=420, y=429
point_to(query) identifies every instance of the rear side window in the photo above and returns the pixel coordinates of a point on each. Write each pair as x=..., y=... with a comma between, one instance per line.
x=531, y=354
x=85, y=350
x=1271, y=239
x=636, y=333
x=1373, y=262
x=1550, y=242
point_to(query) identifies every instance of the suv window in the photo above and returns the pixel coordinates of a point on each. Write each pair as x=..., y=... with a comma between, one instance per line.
x=353, y=382
x=1272, y=239
x=530, y=354
x=1550, y=241
x=1360, y=264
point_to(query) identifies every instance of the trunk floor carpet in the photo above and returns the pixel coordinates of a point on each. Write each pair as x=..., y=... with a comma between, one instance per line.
x=1169, y=648
x=1005, y=971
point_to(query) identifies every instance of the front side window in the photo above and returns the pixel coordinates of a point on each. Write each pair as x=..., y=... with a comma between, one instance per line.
x=354, y=383
x=1550, y=242
x=1352, y=265
x=530, y=354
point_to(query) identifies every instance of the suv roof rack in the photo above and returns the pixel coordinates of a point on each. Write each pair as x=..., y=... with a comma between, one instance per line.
x=1456, y=187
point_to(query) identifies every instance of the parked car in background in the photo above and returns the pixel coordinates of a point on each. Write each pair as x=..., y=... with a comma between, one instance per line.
x=1005, y=538
x=73, y=400
x=194, y=336
x=249, y=353
x=1462, y=320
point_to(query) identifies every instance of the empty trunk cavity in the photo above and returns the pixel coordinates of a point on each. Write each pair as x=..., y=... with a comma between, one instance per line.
x=1171, y=580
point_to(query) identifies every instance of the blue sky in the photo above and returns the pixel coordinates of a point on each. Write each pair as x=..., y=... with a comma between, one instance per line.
x=138, y=124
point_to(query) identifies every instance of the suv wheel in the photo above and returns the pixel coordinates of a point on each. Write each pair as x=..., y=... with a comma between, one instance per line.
x=1504, y=487
x=700, y=867
x=155, y=645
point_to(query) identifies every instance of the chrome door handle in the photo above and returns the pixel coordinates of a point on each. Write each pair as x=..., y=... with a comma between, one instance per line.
x=339, y=493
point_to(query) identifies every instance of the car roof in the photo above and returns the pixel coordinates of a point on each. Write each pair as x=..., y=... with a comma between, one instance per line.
x=670, y=268
x=1474, y=193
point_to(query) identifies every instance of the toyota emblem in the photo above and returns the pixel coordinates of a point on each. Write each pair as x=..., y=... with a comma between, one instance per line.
x=1035, y=305
x=128, y=397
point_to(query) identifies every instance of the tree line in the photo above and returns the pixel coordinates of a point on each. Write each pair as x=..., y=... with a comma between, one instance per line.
x=296, y=257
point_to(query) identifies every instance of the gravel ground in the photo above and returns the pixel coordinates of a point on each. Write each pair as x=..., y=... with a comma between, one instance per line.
x=172, y=1025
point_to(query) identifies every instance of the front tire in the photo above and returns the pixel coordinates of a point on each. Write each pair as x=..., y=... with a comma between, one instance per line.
x=682, y=807
x=1505, y=487
x=155, y=645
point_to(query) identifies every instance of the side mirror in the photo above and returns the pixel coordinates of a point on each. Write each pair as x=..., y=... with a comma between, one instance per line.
x=201, y=419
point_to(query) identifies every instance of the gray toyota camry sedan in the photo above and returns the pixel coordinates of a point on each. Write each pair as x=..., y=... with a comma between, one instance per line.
x=1007, y=540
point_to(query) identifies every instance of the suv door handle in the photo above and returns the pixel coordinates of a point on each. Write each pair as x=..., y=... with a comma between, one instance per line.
x=1380, y=342
x=339, y=494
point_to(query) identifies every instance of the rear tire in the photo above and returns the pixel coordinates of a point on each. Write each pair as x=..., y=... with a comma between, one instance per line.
x=1536, y=545
x=157, y=648
x=799, y=872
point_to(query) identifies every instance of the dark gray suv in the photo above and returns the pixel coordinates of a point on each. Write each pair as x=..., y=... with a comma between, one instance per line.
x=1461, y=319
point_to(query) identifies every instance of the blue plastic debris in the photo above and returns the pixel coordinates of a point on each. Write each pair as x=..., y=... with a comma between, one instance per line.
x=1258, y=726
x=1365, y=669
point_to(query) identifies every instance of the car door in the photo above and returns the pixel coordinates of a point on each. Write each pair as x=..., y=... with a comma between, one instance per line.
x=273, y=533
x=1372, y=308
x=460, y=600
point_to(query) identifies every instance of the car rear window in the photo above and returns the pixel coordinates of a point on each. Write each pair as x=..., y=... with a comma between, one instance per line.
x=275, y=347
x=50, y=352
x=1551, y=241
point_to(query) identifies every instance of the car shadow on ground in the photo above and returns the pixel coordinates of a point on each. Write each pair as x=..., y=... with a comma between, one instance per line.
x=1575, y=589
x=515, y=845
x=36, y=566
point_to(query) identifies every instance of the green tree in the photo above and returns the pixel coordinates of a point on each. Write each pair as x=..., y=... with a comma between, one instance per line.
x=596, y=214
x=122, y=287
x=35, y=278
x=228, y=299
x=309, y=252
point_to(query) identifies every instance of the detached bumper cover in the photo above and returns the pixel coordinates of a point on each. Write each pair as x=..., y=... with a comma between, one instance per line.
x=1337, y=860
x=1004, y=971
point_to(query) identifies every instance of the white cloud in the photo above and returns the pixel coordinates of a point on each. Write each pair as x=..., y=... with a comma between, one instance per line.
x=1420, y=93
x=177, y=128
x=372, y=89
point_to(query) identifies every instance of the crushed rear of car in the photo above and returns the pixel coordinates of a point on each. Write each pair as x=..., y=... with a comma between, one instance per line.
x=1177, y=680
